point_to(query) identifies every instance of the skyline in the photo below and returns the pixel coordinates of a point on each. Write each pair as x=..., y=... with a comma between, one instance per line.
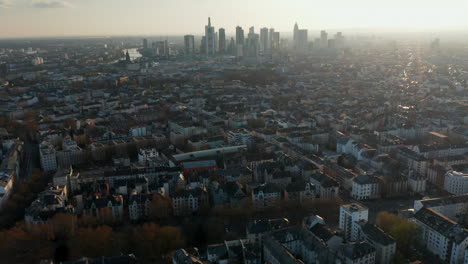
x=38, y=18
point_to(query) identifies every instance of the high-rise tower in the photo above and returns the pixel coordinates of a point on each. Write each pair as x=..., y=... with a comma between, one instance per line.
x=323, y=39
x=264, y=40
x=189, y=43
x=222, y=41
x=296, y=30
x=239, y=42
x=239, y=35
x=210, y=39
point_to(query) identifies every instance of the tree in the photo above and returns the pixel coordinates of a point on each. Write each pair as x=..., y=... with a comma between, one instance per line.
x=63, y=226
x=93, y=242
x=405, y=234
x=386, y=221
x=403, y=231
x=22, y=245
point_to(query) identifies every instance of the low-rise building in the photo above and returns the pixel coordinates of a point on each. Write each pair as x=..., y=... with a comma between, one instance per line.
x=47, y=156
x=139, y=206
x=442, y=236
x=456, y=181
x=186, y=202
x=266, y=195
x=384, y=244
x=108, y=208
x=417, y=182
x=358, y=253
x=365, y=187
x=239, y=137
x=325, y=187
x=454, y=207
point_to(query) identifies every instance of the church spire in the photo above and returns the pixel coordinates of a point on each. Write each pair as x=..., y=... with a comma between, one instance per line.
x=127, y=57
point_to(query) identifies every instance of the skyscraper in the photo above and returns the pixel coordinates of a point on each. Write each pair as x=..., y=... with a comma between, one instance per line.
x=162, y=48
x=275, y=41
x=239, y=35
x=252, y=43
x=231, y=49
x=296, y=29
x=239, y=42
x=189, y=41
x=302, y=45
x=323, y=39
x=210, y=39
x=222, y=40
x=264, y=40
x=339, y=40
x=145, y=43
x=203, y=45
x=270, y=39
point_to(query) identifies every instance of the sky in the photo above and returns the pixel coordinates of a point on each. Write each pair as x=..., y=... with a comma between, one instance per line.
x=47, y=18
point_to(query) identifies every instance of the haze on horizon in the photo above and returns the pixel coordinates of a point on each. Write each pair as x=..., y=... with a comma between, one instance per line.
x=47, y=18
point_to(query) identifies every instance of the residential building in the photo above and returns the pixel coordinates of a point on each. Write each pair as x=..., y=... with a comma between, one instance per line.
x=108, y=208
x=442, y=236
x=358, y=253
x=186, y=202
x=456, y=182
x=239, y=137
x=350, y=216
x=325, y=187
x=454, y=207
x=47, y=156
x=365, y=187
x=265, y=195
x=139, y=206
x=383, y=243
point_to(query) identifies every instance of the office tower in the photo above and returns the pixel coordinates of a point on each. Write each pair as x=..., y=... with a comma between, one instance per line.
x=231, y=49
x=302, y=41
x=239, y=41
x=145, y=43
x=296, y=29
x=210, y=39
x=203, y=45
x=275, y=41
x=323, y=39
x=222, y=41
x=239, y=35
x=317, y=43
x=270, y=38
x=264, y=40
x=339, y=40
x=189, y=41
x=350, y=216
x=252, y=43
x=167, y=49
x=161, y=48
x=331, y=43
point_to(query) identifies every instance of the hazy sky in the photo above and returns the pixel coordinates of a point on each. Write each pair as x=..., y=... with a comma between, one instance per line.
x=24, y=18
